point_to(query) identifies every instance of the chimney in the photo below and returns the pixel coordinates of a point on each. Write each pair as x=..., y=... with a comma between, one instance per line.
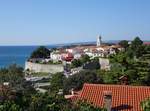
x=107, y=100
x=123, y=80
x=72, y=91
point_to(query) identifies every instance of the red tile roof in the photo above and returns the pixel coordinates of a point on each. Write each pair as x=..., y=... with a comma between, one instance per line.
x=126, y=98
x=146, y=43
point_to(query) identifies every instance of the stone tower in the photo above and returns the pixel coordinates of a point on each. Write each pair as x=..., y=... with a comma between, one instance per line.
x=99, y=40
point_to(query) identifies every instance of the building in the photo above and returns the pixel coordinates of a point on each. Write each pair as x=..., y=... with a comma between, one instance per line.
x=146, y=43
x=108, y=50
x=115, y=97
x=67, y=57
x=56, y=56
x=99, y=41
x=98, y=50
x=77, y=52
x=77, y=55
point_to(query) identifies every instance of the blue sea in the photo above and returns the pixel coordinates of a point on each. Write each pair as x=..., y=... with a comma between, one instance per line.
x=16, y=54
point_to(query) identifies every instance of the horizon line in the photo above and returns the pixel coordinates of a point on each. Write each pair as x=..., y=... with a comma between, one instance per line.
x=67, y=43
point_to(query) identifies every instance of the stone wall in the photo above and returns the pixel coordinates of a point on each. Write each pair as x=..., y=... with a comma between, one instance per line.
x=48, y=68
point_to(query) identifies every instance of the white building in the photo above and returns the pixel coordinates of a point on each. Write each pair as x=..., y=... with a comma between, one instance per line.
x=70, y=50
x=107, y=50
x=56, y=56
x=77, y=55
x=94, y=53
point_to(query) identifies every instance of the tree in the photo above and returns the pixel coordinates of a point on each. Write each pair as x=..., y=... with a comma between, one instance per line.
x=94, y=64
x=124, y=43
x=13, y=74
x=147, y=48
x=40, y=52
x=85, y=58
x=130, y=52
x=132, y=76
x=76, y=63
x=120, y=58
x=136, y=46
x=85, y=106
x=47, y=102
x=9, y=106
x=76, y=81
x=18, y=92
x=136, y=43
x=112, y=76
x=57, y=82
x=147, y=78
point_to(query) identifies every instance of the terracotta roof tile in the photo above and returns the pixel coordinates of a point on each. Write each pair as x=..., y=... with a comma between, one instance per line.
x=146, y=43
x=126, y=98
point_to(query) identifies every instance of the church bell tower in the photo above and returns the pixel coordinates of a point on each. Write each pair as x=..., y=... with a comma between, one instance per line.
x=99, y=41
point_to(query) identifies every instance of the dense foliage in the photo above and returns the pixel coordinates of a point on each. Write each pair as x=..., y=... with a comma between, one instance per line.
x=76, y=63
x=46, y=102
x=79, y=62
x=93, y=64
x=13, y=75
x=134, y=63
x=76, y=81
x=86, y=62
x=85, y=106
x=85, y=58
x=15, y=97
x=40, y=52
x=124, y=44
x=57, y=81
x=145, y=105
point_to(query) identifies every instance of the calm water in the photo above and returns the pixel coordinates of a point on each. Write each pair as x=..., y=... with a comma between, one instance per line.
x=15, y=54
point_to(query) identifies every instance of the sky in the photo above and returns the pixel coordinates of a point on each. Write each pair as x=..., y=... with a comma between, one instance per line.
x=45, y=22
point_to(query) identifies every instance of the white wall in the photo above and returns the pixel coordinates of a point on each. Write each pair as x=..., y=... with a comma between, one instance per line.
x=49, y=68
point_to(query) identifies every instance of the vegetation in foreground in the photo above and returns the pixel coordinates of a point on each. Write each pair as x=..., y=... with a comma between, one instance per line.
x=19, y=95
